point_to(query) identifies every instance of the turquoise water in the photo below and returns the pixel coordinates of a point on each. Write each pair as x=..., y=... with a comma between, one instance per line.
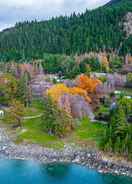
x=29, y=172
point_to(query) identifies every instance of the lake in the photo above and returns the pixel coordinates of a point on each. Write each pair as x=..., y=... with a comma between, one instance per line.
x=30, y=172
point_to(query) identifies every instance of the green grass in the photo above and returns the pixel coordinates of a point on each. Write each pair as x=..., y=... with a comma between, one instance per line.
x=35, y=109
x=89, y=131
x=38, y=104
x=34, y=134
x=102, y=109
x=127, y=91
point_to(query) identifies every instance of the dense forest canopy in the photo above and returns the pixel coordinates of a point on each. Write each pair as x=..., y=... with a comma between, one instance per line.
x=95, y=30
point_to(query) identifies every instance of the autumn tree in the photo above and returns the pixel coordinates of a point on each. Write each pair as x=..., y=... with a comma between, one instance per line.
x=104, y=63
x=14, y=114
x=8, y=88
x=60, y=89
x=57, y=90
x=87, y=83
x=80, y=92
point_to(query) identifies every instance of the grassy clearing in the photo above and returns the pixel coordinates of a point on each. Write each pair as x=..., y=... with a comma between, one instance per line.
x=127, y=91
x=35, y=109
x=33, y=133
x=87, y=133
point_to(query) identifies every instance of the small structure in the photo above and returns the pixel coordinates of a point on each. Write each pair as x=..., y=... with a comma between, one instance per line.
x=1, y=113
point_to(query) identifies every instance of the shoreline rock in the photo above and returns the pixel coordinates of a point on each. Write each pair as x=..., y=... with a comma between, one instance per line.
x=70, y=154
x=88, y=158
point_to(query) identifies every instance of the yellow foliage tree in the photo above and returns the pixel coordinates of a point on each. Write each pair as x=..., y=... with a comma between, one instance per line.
x=105, y=63
x=60, y=89
x=15, y=113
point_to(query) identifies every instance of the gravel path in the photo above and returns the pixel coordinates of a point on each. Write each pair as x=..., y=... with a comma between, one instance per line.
x=32, y=117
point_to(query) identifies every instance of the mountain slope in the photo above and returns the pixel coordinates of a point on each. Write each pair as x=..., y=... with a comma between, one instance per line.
x=99, y=29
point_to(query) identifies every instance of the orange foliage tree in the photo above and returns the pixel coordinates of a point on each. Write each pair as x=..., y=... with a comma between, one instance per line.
x=81, y=92
x=87, y=83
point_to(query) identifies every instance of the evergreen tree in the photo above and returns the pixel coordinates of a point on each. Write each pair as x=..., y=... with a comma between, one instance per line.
x=54, y=120
x=118, y=135
x=24, y=93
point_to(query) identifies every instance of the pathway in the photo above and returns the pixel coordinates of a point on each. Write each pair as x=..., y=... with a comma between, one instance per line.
x=32, y=117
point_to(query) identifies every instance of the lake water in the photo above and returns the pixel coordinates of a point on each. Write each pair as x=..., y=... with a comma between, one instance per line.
x=29, y=172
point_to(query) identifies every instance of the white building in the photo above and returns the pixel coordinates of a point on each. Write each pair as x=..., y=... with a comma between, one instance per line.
x=1, y=113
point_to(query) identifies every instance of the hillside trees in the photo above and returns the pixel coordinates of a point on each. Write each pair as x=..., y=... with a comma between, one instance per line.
x=97, y=30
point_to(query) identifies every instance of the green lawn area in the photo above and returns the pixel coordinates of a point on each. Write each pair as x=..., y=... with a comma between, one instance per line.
x=89, y=130
x=33, y=133
x=86, y=133
x=35, y=109
x=127, y=91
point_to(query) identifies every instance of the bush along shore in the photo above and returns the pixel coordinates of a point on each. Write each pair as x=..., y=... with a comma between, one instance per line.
x=70, y=154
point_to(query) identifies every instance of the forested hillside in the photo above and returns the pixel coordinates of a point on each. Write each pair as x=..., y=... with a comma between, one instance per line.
x=95, y=30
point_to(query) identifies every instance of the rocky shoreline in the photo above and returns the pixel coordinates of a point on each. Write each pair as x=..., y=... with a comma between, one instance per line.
x=70, y=154
x=91, y=159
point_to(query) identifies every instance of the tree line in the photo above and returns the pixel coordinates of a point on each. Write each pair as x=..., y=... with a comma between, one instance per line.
x=96, y=30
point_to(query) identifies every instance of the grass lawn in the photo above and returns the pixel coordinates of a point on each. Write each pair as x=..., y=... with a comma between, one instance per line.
x=87, y=133
x=35, y=109
x=33, y=133
x=128, y=91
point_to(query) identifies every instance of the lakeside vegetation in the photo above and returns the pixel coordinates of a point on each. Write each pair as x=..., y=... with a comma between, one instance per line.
x=86, y=133
x=43, y=122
